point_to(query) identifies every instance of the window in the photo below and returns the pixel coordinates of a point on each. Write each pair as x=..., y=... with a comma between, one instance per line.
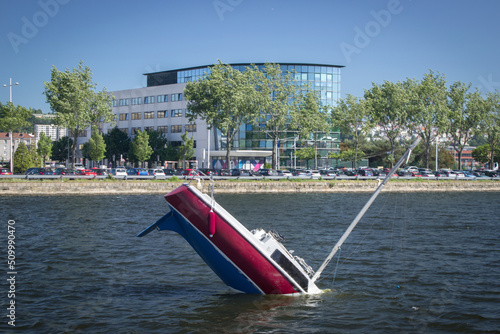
x=136, y=115
x=123, y=102
x=134, y=131
x=114, y=103
x=190, y=127
x=149, y=128
x=162, y=98
x=163, y=129
x=149, y=99
x=124, y=130
x=176, y=113
x=176, y=128
x=162, y=114
x=136, y=100
x=149, y=114
x=177, y=97
x=123, y=117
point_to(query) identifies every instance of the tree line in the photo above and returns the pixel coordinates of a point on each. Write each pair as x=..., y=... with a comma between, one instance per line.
x=387, y=113
x=276, y=104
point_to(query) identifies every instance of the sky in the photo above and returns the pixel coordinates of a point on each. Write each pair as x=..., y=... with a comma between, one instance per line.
x=120, y=40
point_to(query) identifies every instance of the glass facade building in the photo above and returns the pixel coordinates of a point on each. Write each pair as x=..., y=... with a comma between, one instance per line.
x=161, y=106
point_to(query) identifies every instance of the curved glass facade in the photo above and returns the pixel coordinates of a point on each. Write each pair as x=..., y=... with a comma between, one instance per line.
x=322, y=78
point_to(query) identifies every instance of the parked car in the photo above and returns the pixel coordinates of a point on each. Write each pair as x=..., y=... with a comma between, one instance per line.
x=267, y=172
x=63, y=171
x=415, y=174
x=169, y=171
x=314, y=174
x=365, y=172
x=189, y=172
x=439, y=173
x=448, y=172
x=328, y=172
x=100, y=171
x=5, y=171
x=469, y=174
x=285, y=173
x=159, y=173
x=39, y=171
x=137, y=171
x=118, y=172
x=428, y=175
x=86, y=172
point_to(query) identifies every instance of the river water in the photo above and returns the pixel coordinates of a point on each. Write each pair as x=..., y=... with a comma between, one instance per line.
x=416, y=263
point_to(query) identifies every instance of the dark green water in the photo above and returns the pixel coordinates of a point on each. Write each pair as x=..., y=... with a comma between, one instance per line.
x=416, y=263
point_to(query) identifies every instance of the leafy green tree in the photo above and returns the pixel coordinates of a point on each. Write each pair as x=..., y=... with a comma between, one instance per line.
x=353, y=117
x=25, y=157
x=60, y=149
x=158, y=143
x=276, y=91
x=310, y=120
x=139, y=147
x=336, y=156
x=73, y=97
x=226, y=98
x=481, y=153
x=389, y=105
x=97, y=145
x=44, y=148
x=428, y=108
x=186, y=150
x=465, y=111
x=306, y=153
x=352, y=155
x=490, y=123
x=13, y=118
x=117, y=145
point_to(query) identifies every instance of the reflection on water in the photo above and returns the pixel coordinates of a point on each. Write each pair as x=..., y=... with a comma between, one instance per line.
x=415, y=263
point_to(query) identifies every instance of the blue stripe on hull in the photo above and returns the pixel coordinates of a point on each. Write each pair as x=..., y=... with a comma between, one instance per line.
x=225, y=269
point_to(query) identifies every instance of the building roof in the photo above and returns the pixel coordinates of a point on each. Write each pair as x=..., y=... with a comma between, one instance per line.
x=16, y=135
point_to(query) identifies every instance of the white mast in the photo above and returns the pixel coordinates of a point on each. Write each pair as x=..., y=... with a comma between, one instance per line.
x=363, y=211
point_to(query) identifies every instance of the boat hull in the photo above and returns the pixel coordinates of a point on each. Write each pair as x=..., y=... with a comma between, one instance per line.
x=229, y=249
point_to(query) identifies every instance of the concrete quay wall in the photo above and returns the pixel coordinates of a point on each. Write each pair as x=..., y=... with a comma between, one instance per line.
x=97, y=187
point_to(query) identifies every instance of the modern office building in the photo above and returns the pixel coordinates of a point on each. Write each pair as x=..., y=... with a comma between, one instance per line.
x=161, y=106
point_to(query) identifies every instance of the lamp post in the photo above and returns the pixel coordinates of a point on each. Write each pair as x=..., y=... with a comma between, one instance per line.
x=10, y=132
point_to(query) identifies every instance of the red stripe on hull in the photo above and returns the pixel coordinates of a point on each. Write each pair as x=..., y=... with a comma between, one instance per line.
x=242, y=253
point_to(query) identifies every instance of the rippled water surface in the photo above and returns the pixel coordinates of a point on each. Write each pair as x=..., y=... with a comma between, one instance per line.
x=416, y=263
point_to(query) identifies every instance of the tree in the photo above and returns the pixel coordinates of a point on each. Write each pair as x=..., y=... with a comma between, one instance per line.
x=465, y=110
x=25, y=157
x=225, y=98
x=158, y=143
x=60, y=149
x=428, y=108
x=353, y=118
x=44, y=148
x=117, y=145
x=310, y=120
x=13, y=118
x=482, y=154
x=97, y=145
x=73, y=97
x=389, y=104
x=490, y=123
x=306, y=153
x=186, y=150
x=276, y=91
x=139, y=147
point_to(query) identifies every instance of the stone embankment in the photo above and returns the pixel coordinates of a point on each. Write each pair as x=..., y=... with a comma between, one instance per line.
x=162, y=187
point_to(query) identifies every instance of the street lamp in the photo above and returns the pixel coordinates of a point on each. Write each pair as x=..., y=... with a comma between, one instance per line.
x=10, y=133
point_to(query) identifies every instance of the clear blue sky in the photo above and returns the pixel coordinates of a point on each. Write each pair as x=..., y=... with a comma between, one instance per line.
x=121, y=40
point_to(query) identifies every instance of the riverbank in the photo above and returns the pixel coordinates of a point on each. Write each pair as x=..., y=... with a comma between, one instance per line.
x=104, y=187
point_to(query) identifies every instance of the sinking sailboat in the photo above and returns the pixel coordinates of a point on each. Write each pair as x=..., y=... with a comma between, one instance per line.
x=248, y=261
